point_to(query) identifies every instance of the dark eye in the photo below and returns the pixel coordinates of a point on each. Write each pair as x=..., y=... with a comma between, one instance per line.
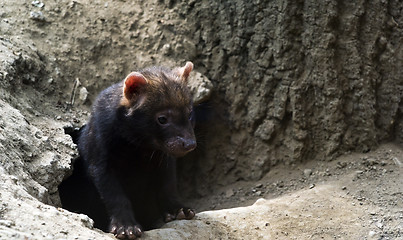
x=162, y=120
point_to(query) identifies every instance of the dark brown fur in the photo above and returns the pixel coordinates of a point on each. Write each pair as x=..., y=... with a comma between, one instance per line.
x=137, y=128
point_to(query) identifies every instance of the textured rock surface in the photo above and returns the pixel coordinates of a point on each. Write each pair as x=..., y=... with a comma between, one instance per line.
x=291, y=81
x=37, y=160
x=275, y=219
x=301, y=79
x=33, y=148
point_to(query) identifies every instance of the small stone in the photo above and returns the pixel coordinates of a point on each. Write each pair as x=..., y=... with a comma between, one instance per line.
x=6, y=223
x=307, y=172
x=371, y=233
x=83, y=94
x=343, y=188
x=200, y=86
x=88, y=222
x=341, y=164
x=166, y=49
x=37, y=16
x=259, y=185
x=59, y=117
x=38, y=4
x=379, y=225
x=279, y=184
x=38, y=135
x=229, y=193
x=311, y=186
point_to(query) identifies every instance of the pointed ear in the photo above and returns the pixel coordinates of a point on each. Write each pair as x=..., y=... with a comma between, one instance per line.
x=133, y=84
x=184, y=72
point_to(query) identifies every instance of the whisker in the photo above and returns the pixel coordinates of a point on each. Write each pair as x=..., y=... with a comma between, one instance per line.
x=152, y=154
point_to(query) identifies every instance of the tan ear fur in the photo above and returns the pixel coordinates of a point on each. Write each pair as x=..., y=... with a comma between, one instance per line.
x=184, y=72
x=132, y=85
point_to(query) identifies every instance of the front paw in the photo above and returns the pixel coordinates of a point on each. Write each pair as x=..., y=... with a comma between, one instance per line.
x=125, y=231
x=182, y=213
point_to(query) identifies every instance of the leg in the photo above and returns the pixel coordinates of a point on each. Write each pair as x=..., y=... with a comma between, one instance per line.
x=118, y=206
x=168, y=197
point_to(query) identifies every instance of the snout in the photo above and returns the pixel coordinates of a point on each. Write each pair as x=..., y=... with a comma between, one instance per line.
x=189, y=144
x=180, y=146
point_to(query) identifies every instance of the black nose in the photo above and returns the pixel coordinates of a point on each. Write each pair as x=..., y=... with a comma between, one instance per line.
x=189, y=144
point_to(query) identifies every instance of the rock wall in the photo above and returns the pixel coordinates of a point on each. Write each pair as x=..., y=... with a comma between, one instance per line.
x=297, y=80
x=293, y=80
x=34, y=150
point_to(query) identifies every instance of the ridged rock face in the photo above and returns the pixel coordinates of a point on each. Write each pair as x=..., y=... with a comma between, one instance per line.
x=293, y=80
x=281, y=81
x=296, y=80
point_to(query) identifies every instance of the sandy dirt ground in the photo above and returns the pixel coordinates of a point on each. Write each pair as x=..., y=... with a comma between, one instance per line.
x=357, y=196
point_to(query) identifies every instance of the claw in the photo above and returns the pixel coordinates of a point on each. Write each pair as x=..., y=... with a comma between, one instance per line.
x=120, y=235
x=137, y=231
x=113, y=230
x=181, y=215
x=126, y=232
x=169, y=217
x=131, y=235
x=190, y=214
